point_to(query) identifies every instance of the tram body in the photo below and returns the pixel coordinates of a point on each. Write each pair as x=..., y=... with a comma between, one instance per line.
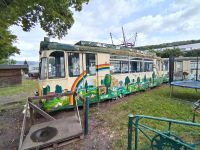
x=95, y=70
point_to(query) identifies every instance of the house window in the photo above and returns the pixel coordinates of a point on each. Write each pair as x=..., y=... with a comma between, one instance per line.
x=90, y=64
x=73, y=64
x=56, y=65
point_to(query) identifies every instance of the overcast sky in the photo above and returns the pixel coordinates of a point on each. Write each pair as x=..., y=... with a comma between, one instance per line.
x=155, y=21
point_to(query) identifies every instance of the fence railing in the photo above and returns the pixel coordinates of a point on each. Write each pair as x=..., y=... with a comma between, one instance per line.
x=158, y=139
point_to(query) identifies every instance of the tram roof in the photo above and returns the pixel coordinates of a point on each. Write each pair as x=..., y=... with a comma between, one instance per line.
x=96, y=47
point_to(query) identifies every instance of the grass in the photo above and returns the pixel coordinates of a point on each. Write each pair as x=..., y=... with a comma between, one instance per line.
x=26, y=86
x=16, y=95
x=157, y=103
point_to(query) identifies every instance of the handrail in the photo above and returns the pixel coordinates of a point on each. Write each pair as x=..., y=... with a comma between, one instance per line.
x=167, y=120
x=50, y=96
x=168, y=136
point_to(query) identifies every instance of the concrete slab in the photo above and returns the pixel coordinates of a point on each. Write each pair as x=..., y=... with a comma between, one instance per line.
x=68, y=128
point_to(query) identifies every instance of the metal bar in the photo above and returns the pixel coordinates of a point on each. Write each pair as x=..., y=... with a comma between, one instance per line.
x=130, y=131
x=145, y=134
x=86, y=115
x=136, y=133
x=50, y=96
x=168, y=120
x=40, y=111
x=160, y=133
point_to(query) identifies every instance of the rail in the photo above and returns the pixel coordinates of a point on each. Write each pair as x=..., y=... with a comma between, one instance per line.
x=158, y=139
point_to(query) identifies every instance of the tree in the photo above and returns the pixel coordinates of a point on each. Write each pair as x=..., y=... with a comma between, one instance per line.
x=102, y=82
x=127, y=81
x=107, y=81
x=176, y=52
x=26, y=70
x=133, y=80
x=54, y=16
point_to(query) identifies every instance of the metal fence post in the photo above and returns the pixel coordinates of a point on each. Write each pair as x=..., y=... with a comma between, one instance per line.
x=130, y=130
x=136, y=133
x=86, y=115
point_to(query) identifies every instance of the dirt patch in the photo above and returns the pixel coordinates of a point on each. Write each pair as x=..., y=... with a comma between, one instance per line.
x=10, y=128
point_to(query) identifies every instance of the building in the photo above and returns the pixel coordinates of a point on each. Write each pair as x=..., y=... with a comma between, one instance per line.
x=183, y=48
x=11, y=74
x=184, y=65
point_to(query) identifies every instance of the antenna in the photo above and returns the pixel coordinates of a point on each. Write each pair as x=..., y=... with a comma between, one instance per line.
x=124, y=37
x=135, y=39
x=111, y=38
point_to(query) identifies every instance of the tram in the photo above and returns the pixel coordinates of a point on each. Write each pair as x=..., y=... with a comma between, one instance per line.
x=95, y=70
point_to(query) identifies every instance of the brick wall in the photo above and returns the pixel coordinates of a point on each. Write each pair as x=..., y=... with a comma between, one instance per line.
x=10, y=77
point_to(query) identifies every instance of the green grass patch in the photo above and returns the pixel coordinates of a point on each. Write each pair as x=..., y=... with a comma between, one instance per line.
x=26, y=86
x=157, y=103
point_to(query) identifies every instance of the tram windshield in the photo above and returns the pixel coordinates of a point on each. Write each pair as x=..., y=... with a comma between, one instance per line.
x=56, y=65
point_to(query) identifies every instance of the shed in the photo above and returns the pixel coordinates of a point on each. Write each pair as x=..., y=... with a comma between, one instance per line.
x=11, y=74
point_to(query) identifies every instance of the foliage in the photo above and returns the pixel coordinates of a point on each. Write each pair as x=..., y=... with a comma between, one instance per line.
x=27, y=69
x=192, y=53
x=8, y=61
x=176, y=52
x=107, y=81
x=127, y=81
x=133, y=80
x=54, y=16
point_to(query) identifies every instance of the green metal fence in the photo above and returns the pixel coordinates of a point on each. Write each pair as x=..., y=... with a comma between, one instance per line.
x=167, y=138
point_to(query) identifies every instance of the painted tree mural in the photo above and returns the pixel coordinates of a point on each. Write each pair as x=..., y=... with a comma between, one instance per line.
x=102, y=83
x=153, y=77
x=138, y=80
x=107, y=81
x=145, y=78
x=127, y=81
x=86, y=86
x=121, y=83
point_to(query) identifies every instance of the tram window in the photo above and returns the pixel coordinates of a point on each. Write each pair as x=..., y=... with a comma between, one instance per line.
x=139, y=67
x=148, y=66
x=115, y=67
x=73, y=64
x=124, y=66
x=56, y=65
x=133, y=66
x=90, y=64
x=43, y=68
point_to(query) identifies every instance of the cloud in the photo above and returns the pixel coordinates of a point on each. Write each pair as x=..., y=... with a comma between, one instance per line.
x=156, y=21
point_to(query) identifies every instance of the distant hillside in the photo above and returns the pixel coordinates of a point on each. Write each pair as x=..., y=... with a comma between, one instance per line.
x=178, y=43
x=30, y=63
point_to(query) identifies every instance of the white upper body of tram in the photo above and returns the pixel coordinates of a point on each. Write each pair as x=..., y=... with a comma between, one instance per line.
x=70, y=66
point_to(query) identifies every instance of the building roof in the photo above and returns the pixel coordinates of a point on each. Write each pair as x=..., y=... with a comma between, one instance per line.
x=3, y=66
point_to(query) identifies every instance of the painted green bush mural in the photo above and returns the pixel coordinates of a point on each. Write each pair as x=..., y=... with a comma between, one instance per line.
x=86, y=86
x=107, y=81
x=127, y=81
